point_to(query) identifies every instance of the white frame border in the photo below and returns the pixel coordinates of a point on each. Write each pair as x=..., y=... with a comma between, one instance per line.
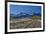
x=29, y=29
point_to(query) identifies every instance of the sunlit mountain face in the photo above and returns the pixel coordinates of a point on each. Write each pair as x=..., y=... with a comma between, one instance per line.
x=24, y=10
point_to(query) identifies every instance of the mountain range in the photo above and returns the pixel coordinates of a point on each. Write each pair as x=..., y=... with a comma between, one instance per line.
x=23, y=15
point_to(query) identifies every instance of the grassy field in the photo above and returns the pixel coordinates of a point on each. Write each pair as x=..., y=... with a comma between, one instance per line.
x=35, y=22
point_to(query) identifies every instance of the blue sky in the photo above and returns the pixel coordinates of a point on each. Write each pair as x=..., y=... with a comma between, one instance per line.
x=16, y=9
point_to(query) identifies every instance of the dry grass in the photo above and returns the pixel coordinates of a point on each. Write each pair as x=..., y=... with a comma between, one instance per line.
x=26, y=24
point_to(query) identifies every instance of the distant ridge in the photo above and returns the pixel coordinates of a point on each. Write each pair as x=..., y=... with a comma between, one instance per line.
x=23, y=15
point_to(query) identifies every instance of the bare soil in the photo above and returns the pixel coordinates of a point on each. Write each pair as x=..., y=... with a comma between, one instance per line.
x=25, y=23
